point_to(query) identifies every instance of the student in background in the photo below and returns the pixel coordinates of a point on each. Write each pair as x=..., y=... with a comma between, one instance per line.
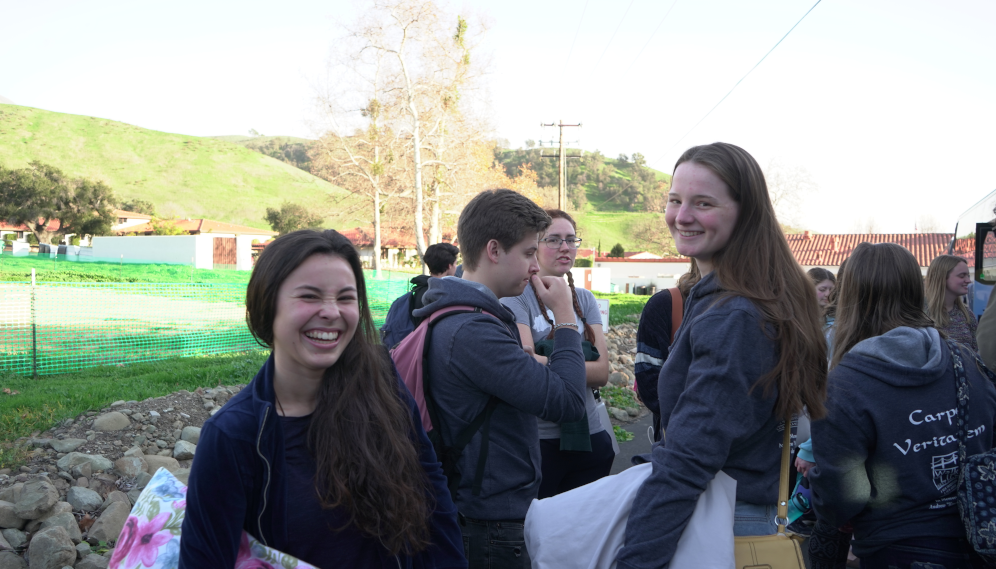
x=573, y=454
x=946, y=283
x=322, y=456
x=881, y=463
x=825, y=282
x=441, y=260
x=653, y=343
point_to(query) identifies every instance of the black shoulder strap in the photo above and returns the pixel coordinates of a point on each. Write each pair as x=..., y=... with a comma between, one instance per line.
x=449, y=456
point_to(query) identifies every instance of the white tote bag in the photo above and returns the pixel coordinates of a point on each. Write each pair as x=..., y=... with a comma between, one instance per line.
x=586, y=527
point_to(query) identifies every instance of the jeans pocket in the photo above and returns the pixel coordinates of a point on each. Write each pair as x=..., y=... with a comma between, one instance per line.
x=508, y=553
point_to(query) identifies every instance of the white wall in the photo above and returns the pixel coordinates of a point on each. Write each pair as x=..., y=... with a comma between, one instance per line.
x=171, y=249
x=600, y=278
x=644, y=273
x=243, y=252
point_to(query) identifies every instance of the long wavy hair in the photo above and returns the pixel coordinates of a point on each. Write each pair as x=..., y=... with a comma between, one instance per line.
x=589, y=332
x=880, y=289
x=757, y=264
x=936, y=285
x=361, y=433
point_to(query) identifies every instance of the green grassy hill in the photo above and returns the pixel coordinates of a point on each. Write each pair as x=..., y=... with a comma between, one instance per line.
x=184, y=176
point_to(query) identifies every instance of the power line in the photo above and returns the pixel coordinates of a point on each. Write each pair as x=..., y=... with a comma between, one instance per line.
x=738, y=83
x=634, y=60
x=614, y=34
x=571, y=52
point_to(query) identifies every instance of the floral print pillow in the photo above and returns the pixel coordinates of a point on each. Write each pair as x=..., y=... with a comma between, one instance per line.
x=150, y=537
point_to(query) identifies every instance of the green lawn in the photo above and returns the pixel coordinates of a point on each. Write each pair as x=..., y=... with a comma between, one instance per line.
x=623, y=308
x=184, y=176
x=610, y=228
x=40, y=404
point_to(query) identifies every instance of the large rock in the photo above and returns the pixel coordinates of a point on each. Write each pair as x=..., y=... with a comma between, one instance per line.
x=115, y=496
x=66, y=521
x=8, y=517
x=93, y=561
x=10, y=560
x=59, y=508
x=51, y=548
x=191, y=434
x=66, y=445
x=73, y=459
x=12, y=493
x=156, y=462
x=184, y=450
x=112, y=421
x=4, y=545
x=83, y=499
x=37, y=498
x=130, y=466
x=616, y=378
x=108, y=525
x=15, y=537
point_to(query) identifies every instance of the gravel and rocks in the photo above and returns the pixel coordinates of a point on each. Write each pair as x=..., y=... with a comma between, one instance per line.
x=83, y=476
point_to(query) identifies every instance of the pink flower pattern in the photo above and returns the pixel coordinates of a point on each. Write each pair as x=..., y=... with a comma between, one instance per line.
x=245, y=559
x=145, y=539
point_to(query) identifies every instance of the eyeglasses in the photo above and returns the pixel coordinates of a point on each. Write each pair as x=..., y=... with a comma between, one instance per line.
x=554, y=242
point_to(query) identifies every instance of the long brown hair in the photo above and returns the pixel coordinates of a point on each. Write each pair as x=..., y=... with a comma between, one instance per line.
x=688, y=280
x=936, y=284
x=831, y=310
x=589, y=332
x=758, y=265
x=880, y=289
x=361, y=430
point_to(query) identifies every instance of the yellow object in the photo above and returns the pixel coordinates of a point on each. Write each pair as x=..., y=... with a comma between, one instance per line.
x=779, y=551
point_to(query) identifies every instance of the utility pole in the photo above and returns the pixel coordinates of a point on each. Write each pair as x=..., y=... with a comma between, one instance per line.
x=562, y=194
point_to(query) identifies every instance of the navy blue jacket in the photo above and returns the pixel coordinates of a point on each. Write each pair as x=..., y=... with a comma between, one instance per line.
x=886, y=454
x=237, y=483
x=713, y=420
x=475, y=356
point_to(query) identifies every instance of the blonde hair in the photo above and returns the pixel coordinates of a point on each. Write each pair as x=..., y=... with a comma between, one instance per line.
x=936, y=285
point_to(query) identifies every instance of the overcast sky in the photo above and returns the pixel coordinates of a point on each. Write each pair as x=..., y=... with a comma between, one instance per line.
x=887, y=104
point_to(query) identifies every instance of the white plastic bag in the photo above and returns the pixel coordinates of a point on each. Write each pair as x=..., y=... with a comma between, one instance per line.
x=586, y=527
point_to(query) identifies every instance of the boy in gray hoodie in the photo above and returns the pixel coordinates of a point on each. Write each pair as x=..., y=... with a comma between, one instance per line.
x=475, y=356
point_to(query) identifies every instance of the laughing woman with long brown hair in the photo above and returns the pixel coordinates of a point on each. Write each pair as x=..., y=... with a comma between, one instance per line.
x=322, y=456
x=749, y=354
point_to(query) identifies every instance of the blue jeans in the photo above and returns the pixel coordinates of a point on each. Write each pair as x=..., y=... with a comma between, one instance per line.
x=924, y=553
x=493, y=544
x=754, y=519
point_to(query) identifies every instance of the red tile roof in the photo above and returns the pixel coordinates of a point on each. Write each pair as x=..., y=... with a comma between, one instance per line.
x=52, y=226
x=627, y=260
x=131, y=214
x=831, y=249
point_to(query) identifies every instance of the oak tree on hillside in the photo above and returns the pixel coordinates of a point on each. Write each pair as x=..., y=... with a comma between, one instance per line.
x=291, y=217
x=138, y=206
x=41, y=195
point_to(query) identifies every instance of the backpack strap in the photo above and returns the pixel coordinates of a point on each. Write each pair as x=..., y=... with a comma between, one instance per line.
x=449, y=456
x=677, y=310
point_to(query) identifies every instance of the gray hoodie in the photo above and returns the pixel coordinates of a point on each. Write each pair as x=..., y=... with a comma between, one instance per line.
x=475, y=356
x=886, y=454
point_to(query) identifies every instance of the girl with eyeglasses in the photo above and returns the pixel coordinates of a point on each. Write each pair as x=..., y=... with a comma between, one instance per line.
x=573, y=454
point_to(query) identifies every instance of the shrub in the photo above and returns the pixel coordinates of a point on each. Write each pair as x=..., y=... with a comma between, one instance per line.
x=56, y=240
x=617, y=251
x=76, y=241
x=32, y=239
x=582, y=262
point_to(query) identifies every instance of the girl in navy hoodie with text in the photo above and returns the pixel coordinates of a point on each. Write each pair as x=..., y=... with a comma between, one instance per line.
x=322, y=456
x=886, y=454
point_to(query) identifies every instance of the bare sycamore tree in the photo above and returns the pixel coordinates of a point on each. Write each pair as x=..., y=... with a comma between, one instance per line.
x=788, y=188
x=423, y=66
x=358, y=150
x=866, y=225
